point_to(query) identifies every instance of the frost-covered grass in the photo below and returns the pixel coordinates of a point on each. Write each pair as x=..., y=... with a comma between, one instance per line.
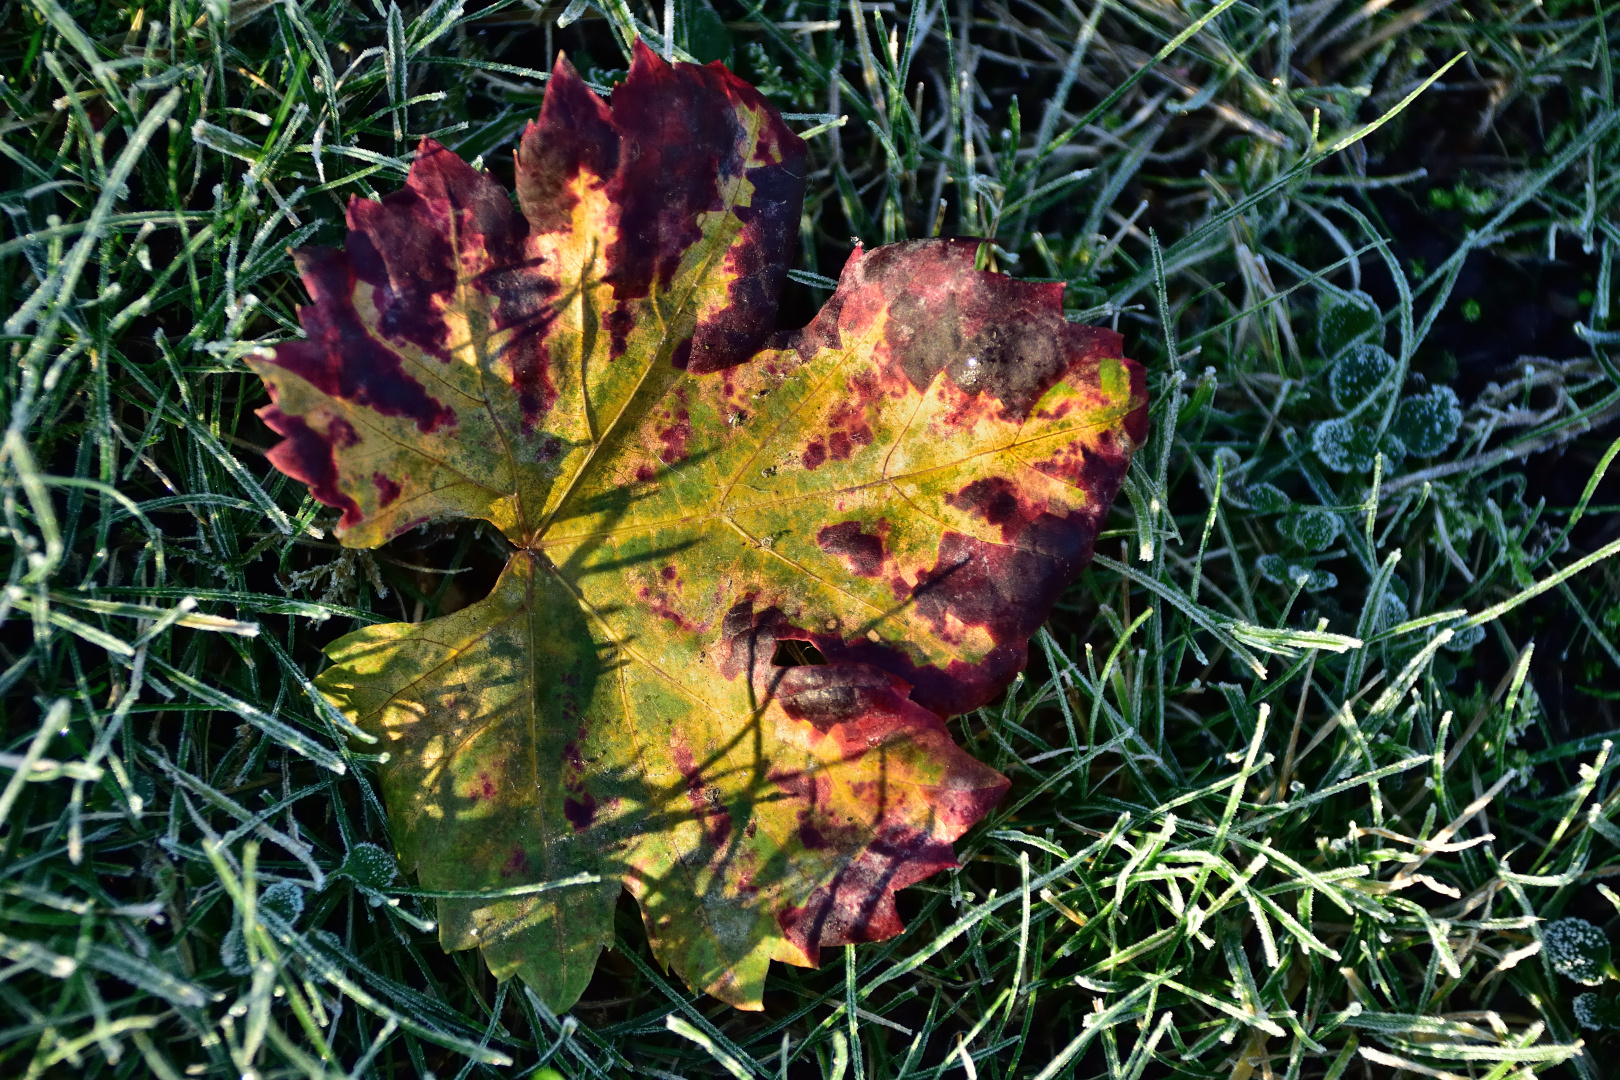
x=1302, y=768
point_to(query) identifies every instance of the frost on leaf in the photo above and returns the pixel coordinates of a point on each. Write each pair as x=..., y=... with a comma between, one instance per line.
x=1428, y=423
x=1360, y=383
x=1347, y=319
x=1466, y=639
x=370, y=866
x=1577, y=950
x=906, y=484
x=1392, y=611
x=1346, y=444
x=1595, y=1012
x=1268, y=498
x=1312, y=528
x=1358, y=375
x=1281, y=571
x=284, y=899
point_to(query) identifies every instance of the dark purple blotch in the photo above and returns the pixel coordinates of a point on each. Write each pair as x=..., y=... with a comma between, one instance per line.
x=340, y=357
x=306, y=456
x=861, y=551
x=580, y=811
x=670, y=148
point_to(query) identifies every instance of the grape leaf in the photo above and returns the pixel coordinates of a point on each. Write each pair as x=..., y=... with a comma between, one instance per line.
x=899, y=490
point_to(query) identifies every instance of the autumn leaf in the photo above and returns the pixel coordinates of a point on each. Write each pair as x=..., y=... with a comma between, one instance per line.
x=896, y=494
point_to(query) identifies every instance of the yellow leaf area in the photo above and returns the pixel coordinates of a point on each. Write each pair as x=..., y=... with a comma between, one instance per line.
x=527, y=746
x=912, y=513
x=896, y=493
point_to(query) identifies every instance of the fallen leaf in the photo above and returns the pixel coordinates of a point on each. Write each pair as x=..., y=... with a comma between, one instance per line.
x=753, y=574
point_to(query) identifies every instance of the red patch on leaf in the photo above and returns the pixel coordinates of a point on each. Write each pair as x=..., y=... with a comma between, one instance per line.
x=663, y=605
x=675, y=436
x=342, y=433
x=483, y=789
x=748, y=642
x=849, y=422
x=516, y=863
x=306, y=456
x=1093, y=468
x=341, y=359
x=999, y=502
x=574, y=133
x=414, y=245
x=1001, y=343
x=858, y=904
x=704, y=800
x=863, y=708
x=579, y=805
x=666, y=150
x=387, y=490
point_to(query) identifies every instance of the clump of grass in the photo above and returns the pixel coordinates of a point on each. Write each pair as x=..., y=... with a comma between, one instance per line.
x=1302, y=767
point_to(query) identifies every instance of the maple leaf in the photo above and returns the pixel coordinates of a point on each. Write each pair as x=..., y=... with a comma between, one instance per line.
x=903, y=487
